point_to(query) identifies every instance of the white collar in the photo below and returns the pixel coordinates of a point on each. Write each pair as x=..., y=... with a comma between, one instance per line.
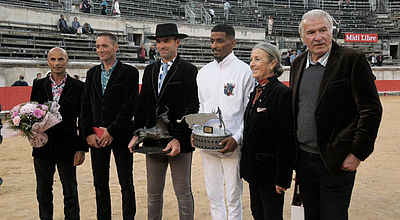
x=169, y=62
x=227, y=59
x=323, y=60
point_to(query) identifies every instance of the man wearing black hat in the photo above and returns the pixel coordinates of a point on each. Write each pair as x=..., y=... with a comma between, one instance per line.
x=168, y=84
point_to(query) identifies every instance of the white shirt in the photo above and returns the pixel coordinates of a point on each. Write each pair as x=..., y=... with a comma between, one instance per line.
x=212, y=12
x=227, y=6
x=162, y=72
x=116, y=8
x=323, y=60
x=226, y=85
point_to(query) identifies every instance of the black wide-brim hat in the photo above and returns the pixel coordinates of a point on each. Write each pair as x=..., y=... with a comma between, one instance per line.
x=167, y=30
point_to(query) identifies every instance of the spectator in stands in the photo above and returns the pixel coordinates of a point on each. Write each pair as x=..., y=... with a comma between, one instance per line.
x=293, y=56
x=379, y=59
x=141, y=54
x=372, y=59
x=337, y=115
x=77, y=26
x=64, y=149
x=63, y=26
x=108, y=104
x=174, y=90
x=340, y=4
x=103, y=7
x=212, y=14
x=152, y=54
x=227, y=7
x=74, y=8
x=85, y=6
x=287, y=59
x=226, y=83
x=339, y=28
x=20, y=81
x=76, y=77
x=38, y=76
x=347, y=3
x=87, y=29
x=270, y=25
x=116, y=10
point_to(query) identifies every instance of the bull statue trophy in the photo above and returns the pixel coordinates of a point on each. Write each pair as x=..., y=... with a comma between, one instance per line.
x=154, y=139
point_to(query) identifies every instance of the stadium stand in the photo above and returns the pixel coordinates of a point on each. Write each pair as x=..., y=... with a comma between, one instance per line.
x=26, y=40
x=48, y=4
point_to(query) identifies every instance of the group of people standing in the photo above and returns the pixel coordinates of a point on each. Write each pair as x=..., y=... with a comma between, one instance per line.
x=141, y=53
x=322, y=126
x=86, y=5
x=376, y=60
x=114, y=9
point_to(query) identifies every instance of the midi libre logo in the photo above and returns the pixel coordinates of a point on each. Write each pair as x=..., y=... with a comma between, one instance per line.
x=366, y=38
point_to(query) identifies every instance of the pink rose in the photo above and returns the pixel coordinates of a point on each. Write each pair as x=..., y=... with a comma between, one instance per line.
x=16, y=120
x=38, y=113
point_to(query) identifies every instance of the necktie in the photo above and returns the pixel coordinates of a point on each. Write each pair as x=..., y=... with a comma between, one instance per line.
x=162, y=76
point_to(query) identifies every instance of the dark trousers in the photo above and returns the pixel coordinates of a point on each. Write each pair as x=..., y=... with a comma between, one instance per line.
x=101, y=175
x=265, y=203
x=44, y=171
x=325, y=196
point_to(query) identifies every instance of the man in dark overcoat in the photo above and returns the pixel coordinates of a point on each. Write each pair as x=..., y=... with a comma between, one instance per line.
x=64, y=148
x=108, y=104
x=337, y=115
x=168, y=84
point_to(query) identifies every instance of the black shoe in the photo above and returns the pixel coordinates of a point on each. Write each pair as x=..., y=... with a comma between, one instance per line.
x=1, y=181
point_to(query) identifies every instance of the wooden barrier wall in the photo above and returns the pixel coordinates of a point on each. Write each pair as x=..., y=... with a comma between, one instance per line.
x=12, y=96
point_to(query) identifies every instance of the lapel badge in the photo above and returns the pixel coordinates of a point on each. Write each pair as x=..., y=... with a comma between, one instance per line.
x=261, y=109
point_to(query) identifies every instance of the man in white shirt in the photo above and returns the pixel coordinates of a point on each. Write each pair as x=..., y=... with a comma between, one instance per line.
x=212, y=14
x=225, y=83
x=227, y=6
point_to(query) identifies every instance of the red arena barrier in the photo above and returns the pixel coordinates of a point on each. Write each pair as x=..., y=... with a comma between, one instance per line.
x=12, y=96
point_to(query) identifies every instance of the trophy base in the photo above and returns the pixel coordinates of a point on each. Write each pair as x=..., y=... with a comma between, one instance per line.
x=152, y=147
x=208, y=142
x=150, y=150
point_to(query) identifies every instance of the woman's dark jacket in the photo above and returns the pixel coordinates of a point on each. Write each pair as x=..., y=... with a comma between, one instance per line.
x=268, y=151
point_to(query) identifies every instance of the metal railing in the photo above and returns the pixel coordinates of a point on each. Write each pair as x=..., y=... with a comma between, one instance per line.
x=190, y=16
x=205, y=16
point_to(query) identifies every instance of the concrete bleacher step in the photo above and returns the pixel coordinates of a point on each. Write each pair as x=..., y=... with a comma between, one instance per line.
x=27, y=40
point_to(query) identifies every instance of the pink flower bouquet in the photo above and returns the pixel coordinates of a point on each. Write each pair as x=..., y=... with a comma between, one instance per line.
x=30, y=120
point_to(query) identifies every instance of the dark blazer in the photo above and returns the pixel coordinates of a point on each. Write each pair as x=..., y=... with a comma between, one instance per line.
x=268, y=151
x=20, y=83
x=63, y=137
x=113, y=110
x=348, y=111
x=178, y=93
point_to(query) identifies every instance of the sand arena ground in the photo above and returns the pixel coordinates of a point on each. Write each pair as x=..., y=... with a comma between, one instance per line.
x=376, y=194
